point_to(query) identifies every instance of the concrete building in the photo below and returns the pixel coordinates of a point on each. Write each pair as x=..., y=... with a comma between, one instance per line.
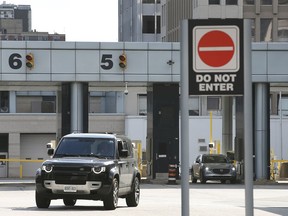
x=15, y=24
x=139, y=21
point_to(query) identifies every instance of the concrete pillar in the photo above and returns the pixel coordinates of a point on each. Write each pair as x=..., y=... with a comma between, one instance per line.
x=261, y=131
x=12, y=102
x=76, y=107
x=14, y=152
x=227, y=124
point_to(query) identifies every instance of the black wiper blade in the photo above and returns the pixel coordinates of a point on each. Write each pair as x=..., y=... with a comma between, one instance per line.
x=89, y=155
x=66, y=155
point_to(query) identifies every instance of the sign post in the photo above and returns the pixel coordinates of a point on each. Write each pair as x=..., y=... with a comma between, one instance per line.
x=216, y=67
x=184, y=96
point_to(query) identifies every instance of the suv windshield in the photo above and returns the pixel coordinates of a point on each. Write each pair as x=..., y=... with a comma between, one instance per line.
x=75, y=147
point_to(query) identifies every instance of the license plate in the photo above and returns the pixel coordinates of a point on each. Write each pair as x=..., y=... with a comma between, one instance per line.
x=70, y=188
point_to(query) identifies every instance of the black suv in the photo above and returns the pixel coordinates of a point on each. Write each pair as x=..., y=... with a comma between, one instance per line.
x=89, y=166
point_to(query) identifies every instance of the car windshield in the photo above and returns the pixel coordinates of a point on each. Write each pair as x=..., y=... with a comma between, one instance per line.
x=92, y=147
x=214, y=159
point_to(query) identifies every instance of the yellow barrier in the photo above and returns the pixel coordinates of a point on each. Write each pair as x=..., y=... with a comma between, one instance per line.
x=275, y=168
x=21, y=166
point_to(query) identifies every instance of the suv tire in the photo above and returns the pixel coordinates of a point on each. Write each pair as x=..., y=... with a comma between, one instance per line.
x=132, y=200
x=111, y=201
x=193, y=179
x=69, y=202
x=41, y=201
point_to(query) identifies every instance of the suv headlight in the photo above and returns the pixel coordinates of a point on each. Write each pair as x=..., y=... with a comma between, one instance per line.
x=47, y=168
x=98, y=170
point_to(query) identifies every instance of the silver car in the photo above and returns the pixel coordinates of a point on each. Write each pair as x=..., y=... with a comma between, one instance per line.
x=213, y=167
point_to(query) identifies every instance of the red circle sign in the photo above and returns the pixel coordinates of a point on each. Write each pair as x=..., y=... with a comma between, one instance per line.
x=216, y=48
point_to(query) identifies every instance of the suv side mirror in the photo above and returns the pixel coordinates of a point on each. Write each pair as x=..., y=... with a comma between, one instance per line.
x=50, y=151
x=123, y=153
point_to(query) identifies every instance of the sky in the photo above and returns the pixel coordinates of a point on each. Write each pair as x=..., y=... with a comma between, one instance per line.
x=82, y=20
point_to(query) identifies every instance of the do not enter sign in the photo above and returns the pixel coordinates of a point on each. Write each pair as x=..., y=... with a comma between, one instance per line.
x=216, y=49
x=216, y=57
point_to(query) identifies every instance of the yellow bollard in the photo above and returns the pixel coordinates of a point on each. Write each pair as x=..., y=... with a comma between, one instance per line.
x=21, y=171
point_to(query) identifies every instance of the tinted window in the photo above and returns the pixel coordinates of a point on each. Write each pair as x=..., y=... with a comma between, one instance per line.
x=214, y=159
x=85, y=147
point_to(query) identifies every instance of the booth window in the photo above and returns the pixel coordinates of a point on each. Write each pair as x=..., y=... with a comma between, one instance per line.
x=35, y=102
x=106, y=102
x=142, y=104
x=4, y=101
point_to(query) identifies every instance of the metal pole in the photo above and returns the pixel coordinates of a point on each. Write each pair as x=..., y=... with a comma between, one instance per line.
x=248, y=129
x=281, y=126
x=211, y=137
x=184, y=119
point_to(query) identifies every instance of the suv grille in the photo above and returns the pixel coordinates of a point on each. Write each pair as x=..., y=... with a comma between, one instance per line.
x=221, y=171
x=71, y=175
x=72, y=169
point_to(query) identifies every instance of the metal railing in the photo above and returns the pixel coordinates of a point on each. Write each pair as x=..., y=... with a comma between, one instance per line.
x=21, y=161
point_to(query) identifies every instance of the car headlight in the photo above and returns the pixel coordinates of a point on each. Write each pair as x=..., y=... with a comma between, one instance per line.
x=233, y=169
x=98, y=170
x=207, y=169
x=47, y=168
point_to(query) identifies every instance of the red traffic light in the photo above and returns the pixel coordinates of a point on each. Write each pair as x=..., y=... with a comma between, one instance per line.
x=122, y=57
x=29, y=57
x=30, y=60
x=123, y=61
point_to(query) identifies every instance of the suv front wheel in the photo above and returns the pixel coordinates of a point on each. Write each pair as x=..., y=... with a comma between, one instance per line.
x=111, y=201
x=132, y=200
x=41, y=201
x=69, y=202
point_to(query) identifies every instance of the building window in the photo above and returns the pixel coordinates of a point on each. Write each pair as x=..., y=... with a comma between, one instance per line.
x=266, y=2
x=266, y=30
x=158, y=24
x=213, y=103
x=151, y=1
x=148, y=25
x=283, y=30
x=106, y=102
x=249, y=2
x=142, y=104
x=148, y=1
x=193, y=106
x=231, y=2
x=283, y=1
x=214, y=2
x=4, y=101
x=35, y=102
x=284, y=108
x=253, y=29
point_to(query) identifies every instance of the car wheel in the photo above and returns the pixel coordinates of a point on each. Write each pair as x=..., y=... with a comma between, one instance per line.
x=193, y=179
x=42, y=202
x=111, y=201
x=202, y=179
x=132, y=200
x=233, y=181
x=223, y=181
x=69, y=202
